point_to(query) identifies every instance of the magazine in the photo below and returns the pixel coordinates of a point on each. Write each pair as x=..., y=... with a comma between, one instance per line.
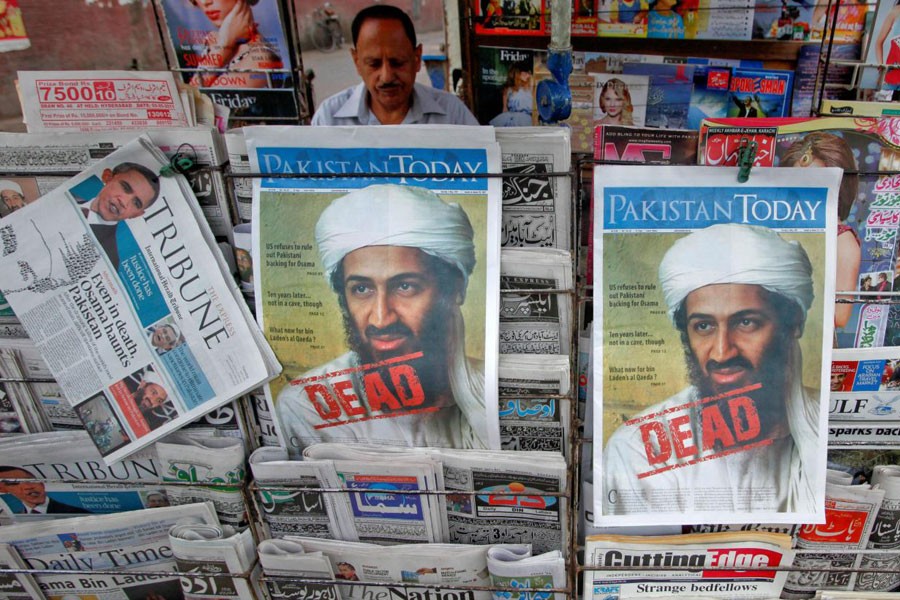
x=739, y=565
x=685, y=423
x=505, y=88
x=615, y=143
x=135, y=314
x=100, y=100
x=408, y=237
x=251, y=74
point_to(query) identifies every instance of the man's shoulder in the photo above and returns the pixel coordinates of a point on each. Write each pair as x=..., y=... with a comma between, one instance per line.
x=622, y=433
x=325, y=114
x=457, y=113
x=341, y=363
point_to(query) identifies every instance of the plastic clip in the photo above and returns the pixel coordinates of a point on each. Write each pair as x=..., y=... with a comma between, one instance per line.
x=746, y=156
x=182, y=162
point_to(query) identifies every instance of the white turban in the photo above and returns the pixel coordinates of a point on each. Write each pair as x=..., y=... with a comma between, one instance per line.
x=395, y=215
x=152, y=377
x=733, y=253
x=6, y=184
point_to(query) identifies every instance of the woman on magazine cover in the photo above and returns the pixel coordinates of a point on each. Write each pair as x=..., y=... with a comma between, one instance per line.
x=236, y=45
x=889, y=53
x=615, y=101
x=821, y=149
x=516, y=99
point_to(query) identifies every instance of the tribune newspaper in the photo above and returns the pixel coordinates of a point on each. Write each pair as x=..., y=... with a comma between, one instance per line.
x=712, y=343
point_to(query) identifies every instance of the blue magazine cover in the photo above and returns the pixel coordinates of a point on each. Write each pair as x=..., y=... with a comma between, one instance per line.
x=669, y=96
x=760, y=93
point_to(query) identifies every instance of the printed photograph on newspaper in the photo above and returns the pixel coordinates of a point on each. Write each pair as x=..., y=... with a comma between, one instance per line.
x=711, y=352
x=379, y=294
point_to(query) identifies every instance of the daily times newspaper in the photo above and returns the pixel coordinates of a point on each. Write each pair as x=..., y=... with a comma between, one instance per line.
x=137, y=317
x=378, y=289
x=129, y=544
x=710, y=356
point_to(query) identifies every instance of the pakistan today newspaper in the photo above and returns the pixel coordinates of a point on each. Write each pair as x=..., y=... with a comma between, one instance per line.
x=417, y=384
x=132, y=312
x=745, y=269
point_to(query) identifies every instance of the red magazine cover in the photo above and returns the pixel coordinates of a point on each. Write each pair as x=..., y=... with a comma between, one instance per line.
x=510, y=17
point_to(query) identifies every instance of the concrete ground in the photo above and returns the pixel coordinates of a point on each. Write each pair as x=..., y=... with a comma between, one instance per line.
x=334, y=72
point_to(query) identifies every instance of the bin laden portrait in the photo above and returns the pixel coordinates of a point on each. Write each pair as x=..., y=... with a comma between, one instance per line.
x=744, y=434
x=398, y=259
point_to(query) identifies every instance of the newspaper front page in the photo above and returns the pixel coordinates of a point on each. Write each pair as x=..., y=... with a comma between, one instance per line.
x=63, y=475
x=134, y=313
x=100, y=100
x=738, y=566
x=711, y=358
x=379, y=293
x=128, y=543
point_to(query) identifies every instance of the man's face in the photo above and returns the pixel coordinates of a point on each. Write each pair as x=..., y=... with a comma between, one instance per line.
x=346, y=571
x=164, y=337
x=12, y=199
x=30, y=493
x=837, y=381
x=387, y=62
x=730, y=330
x=124, y=195
x=154, y=395
x=157, y=501
x=390, y=295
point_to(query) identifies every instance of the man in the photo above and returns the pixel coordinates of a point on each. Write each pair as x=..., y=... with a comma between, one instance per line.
x=165, y=337
x=12, y=196
x=752, y=445
x=400, y=282
x=128, y=190
x=346, y=572
x=32, y=494
x=387, y=59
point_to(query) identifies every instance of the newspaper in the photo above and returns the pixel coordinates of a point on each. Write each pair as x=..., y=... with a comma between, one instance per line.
x=218, y=562
x=239, y=162
x=703, y=565
x=20, y=358
x=265, y=424
x=135, y=315
x=537, y=208
x=531, y=321
x=291, y=510
x=18, y=586
x=196, y=458
x=63, y=475
x=712, y=445
x=865, y=385
x=283, y=562
x=504, y=497
x=529, y=421
x=100, y=100
x=49, y=158
x=455, y=567
x=513, y=571
x=128, y=543
x=850, y=513
x=409, y=378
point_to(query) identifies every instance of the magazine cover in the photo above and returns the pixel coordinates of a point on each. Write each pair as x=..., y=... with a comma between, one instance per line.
x=710, y=98
x=237, y=54
x=883, y=49
x=865, y=385
x=711, y=351
x=505, y=86
x=839, y=77
x=756, y=93
x=12, y=35
x=615, y=143
x=669, y=96
x=623, y=18
x=585, y=17
x=783, y=19
x=379, y=294
x=620, y=99
x=510, y=17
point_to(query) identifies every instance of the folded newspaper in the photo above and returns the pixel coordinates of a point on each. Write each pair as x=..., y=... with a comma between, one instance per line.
x=114, y=277
x=217, y=561
x=134, y=545
x=735, y=565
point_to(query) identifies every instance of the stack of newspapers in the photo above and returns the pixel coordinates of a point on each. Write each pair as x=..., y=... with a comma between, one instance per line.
x=414, y=495
x=118, y=281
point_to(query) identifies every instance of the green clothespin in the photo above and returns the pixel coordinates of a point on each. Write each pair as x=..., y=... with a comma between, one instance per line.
x=181, y=163
x=746, y=156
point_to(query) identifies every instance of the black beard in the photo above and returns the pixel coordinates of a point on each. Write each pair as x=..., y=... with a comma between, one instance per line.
x=431, y=368
x=770, y=399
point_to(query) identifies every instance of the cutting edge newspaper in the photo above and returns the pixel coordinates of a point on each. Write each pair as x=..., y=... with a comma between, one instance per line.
x=135, y=314
x=698, y=455
x=100, y=100
x=380, y=399
x=712, y=565
x=124, y=542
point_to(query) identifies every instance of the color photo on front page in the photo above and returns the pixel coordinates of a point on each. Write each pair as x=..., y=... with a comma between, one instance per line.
x=710, y=382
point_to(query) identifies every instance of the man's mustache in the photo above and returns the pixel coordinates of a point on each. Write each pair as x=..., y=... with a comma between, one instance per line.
x=388, y=86
x=738, y=362
x=394, y=329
